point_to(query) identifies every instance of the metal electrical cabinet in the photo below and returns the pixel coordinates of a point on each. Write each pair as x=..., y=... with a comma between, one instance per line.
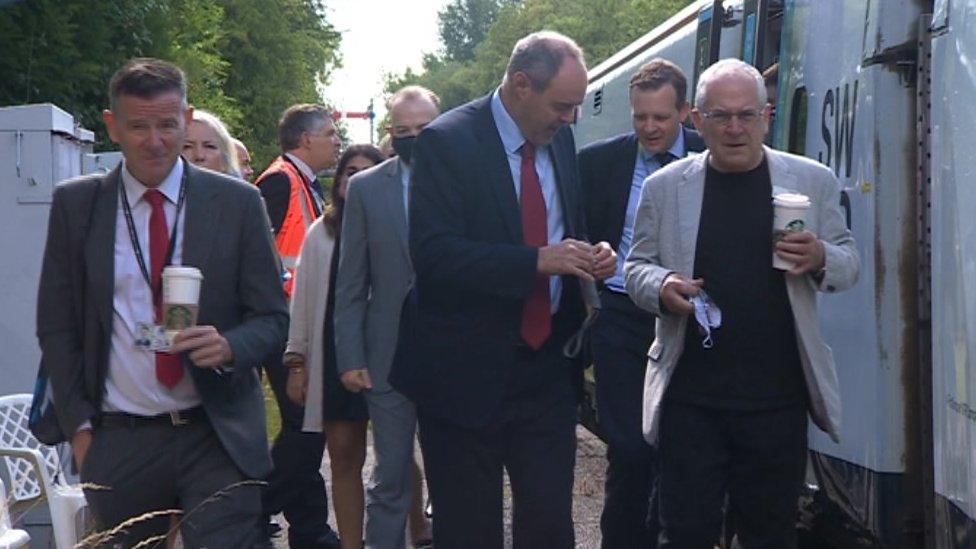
x=40, y=145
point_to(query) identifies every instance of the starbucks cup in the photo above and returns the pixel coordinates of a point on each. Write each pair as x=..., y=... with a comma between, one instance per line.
x=181, y=297
x=789, y=216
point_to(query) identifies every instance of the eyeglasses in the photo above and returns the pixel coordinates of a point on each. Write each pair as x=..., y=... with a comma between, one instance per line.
x=723, y=118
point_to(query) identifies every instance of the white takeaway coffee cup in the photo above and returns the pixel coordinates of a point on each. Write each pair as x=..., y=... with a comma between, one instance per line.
x=790, y=212
x=181, y=297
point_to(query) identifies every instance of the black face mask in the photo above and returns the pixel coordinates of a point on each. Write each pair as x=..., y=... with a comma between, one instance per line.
x=404, y=147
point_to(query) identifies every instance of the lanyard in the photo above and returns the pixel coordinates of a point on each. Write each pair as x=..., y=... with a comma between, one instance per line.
x=134, y=237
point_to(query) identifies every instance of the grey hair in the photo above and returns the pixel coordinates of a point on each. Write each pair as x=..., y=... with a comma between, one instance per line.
x=413, y=92
x=224, y=140
x=724, y=69
x=540, y=55
x=299, y=119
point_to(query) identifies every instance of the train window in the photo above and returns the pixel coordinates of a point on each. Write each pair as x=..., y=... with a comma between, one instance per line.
x=797, y=142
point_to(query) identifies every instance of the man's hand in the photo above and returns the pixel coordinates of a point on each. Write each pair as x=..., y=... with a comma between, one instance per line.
x=604, y=261
x=79, y=446
x=296, y=387
x=356, y=380
x=206, y=347
x=675, y=292
x=569, y=257
x=804, y=250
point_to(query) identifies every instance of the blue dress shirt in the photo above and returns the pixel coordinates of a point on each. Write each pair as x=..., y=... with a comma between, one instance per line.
x=512, y=140
x=644, y=166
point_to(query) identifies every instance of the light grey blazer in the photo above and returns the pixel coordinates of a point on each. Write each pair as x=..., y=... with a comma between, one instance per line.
x=375, y=272
x=665, y=236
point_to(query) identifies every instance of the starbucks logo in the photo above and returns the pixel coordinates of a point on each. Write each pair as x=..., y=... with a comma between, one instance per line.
x=796, y=225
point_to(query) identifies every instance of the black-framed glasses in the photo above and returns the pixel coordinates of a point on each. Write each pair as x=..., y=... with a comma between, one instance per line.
x=723, y=118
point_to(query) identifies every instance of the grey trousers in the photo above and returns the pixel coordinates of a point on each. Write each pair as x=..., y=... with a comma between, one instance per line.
x=133, y=471
x=389, y=491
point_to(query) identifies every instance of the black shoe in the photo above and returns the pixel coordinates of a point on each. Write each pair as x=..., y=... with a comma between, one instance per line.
x=426, y=543
x=329, y=540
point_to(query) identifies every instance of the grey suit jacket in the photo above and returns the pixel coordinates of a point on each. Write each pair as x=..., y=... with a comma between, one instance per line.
x=375, y=273
x=228, y=238
x=665, y=236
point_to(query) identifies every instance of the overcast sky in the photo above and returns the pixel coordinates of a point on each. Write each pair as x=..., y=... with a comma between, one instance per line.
x=378, y=36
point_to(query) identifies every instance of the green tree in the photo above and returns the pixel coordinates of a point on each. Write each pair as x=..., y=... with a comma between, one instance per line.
x=281, y=53
x=600, y=27
x=246, y=60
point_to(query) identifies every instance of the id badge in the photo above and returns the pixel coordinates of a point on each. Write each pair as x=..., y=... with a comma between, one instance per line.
x=151, y=337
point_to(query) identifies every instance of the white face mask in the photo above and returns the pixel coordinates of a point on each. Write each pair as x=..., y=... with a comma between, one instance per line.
x=708, y=316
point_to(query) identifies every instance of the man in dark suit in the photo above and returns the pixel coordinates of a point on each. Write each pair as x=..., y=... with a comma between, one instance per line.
x=182, y=429
x=613, y=173
x=498, y=244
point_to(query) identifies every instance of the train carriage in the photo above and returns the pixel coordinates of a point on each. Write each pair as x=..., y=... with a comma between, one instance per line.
x=882, y=93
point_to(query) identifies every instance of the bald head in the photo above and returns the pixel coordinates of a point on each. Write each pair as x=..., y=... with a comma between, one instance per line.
x=544, y=86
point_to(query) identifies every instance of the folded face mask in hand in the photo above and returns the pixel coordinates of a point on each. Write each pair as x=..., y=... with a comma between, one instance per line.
x=708, y=315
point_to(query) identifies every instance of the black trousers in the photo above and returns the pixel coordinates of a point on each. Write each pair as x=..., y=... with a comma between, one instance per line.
x=534, y=439
x=619, y=341
x=755, y=458
x=135, y=470
x=295, y=486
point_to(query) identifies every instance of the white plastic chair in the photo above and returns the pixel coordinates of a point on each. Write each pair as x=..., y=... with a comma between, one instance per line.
x=9, y=538
x=34, y=470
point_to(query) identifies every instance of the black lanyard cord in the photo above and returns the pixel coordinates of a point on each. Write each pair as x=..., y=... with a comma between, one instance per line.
x=134, y=237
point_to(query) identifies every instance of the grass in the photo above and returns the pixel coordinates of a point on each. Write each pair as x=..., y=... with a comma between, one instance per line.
x=271, y=410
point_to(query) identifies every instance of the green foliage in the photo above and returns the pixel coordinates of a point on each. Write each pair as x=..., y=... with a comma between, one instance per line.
x=246, y=60
x=600, y=27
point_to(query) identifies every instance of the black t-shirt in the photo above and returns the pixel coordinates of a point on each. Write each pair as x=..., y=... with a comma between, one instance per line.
x=754, y=363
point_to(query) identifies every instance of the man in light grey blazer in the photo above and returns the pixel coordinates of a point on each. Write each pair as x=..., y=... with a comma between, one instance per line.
x=375, y=274
x=726, y=396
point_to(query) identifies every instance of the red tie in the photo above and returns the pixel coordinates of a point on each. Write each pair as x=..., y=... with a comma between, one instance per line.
x=169, y=368
x=536, y=317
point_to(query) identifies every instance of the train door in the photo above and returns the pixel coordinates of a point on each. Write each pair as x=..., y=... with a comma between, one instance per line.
x=847, y=99
x=952, y=195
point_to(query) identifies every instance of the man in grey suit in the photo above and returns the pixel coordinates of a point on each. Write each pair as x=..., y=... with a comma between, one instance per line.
x=375, y=274
x=159, y=430
x=726, y=395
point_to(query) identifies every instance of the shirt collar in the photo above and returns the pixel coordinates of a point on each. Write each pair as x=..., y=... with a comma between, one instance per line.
x=677, y=148
x=170, y=187
x=404, y=172
x=508, y=130
x=302, y=167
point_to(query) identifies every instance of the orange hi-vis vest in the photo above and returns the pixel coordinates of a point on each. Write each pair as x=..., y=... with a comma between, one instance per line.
x=298, y=218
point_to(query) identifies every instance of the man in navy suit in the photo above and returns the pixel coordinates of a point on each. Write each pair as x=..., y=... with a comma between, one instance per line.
x=499, y=247
x=613, y=173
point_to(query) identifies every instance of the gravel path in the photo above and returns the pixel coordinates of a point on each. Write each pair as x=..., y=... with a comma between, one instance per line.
x=591, y=466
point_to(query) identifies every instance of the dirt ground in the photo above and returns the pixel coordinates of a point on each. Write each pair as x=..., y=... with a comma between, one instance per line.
x=591, y=466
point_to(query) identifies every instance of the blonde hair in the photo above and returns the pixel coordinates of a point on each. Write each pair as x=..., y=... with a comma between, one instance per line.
x=225, y=142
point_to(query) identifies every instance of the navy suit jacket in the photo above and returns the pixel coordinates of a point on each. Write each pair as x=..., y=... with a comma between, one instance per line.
x=473, y=273
x=607, y=171
x=228, y=238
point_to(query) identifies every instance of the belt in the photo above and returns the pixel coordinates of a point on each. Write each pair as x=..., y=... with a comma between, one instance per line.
x=176, y=418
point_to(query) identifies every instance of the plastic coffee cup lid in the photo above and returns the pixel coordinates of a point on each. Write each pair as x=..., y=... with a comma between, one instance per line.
x=185, y=272
x=791, y=200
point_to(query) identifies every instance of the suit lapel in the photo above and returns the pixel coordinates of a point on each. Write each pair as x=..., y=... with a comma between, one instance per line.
x=565, y=188
x=393, y=190
x=620, y=181
x=201, y=220
x=690, y=191
x=495, y=166
x=100, y=246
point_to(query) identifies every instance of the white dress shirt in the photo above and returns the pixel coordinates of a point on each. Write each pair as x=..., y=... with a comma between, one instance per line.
x=131, y=385
x=310, y=179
